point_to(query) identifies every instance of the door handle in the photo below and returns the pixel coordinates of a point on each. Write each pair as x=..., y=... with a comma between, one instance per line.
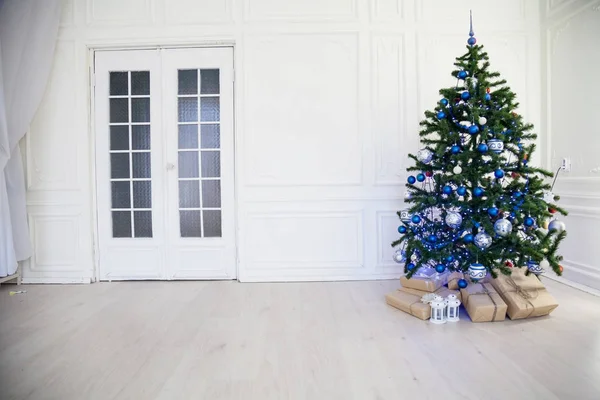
x=170, y=166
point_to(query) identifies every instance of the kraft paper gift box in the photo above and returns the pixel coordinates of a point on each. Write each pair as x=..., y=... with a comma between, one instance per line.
x=483, y=303
x=409, y=303
x=525, y=296
x=427, y=281
x=442, y=291
x=453, y=280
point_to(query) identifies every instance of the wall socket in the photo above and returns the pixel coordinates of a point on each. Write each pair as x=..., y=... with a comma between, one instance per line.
x=566, y=164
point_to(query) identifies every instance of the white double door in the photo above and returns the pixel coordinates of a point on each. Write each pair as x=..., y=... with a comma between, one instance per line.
x=164, y=164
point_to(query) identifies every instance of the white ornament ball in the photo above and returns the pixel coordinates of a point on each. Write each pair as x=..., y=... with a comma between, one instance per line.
x=453, y=219
x=557, y=226
x=545, y=264
x=483, y=240
x=482, y=120
x=548, y=196
x=399, y=256
x=465, y=123
x=407, y=195
x=404, y=215
x=477, y=272
x=503, y=227
x=457, y=170
x=425, y=156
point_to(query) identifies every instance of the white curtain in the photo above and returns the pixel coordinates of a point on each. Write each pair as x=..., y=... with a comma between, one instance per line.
x=28, y=32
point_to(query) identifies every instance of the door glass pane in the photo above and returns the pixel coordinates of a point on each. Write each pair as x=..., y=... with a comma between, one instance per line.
x=189, y=194
x=190, y=223
x=142, y=194
x=119, y=137
x=188, y=81
x=140, y=137
x=188, y=136
x=209, y=81
x=188, y=109
x=212, y=223
x=119, y=110
x=211, y=164
x=188, y=164
x=211, y=194
x=140, y=109
x=118, y=84
x=209, y=109
x=130, y=168
x=121, y=224
x=140, y=83
x=142, y=220
x=210, y=136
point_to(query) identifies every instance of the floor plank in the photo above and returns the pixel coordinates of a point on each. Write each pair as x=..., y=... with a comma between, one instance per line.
x=336, y=340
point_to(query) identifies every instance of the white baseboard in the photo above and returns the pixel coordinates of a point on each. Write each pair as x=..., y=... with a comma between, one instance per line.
x=55, y=281
x=572, y=284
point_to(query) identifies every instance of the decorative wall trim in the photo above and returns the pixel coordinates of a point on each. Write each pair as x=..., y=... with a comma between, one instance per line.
x=251, y=15
x=63, y=263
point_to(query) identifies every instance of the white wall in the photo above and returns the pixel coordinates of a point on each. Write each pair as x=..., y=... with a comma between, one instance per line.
x=571, y=31
x=324, y=152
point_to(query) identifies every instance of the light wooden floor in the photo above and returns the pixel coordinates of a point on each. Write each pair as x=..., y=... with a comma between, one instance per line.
x=225, y=340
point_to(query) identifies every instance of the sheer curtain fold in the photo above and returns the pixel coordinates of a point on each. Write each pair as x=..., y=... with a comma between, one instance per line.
x=28, y=33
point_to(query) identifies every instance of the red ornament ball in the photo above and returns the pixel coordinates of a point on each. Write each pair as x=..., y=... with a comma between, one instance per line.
x=509, y=264
x=515, y=175
x=551, y=210
x=487, y=90
x=560, y=268
x=428, y=174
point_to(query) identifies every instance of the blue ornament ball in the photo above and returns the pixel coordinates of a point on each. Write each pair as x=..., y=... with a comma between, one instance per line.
x=529, y=221
x=455, y=149
x=440, y=268
x=465, y=95
x=421, y=177
x=449, y=259
x=468, y=238
x=517, y=195
x=462, y=283
x=462, y=74
x=478, y=192
x=499, y=173
x=476, y=224
x=441, y=115
x=444, y=102
x=473, y=129
x=432, y=238
x=411, y=179
x=401, y=229
x=482, y=148
x=410, y=266
x=487, y=97
x=461, y=191
x=415, y=219
x=472, y=41
x=493, y=211
x=447, y=189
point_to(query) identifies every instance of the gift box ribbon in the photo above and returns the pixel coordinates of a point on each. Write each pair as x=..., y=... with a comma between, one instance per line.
x=486, y=291
x=525, y=295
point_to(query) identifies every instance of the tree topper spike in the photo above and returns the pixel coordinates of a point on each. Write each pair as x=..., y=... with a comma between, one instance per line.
x=471, y=33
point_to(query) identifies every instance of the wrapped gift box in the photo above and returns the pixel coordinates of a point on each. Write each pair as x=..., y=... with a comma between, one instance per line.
x=427, y=281
x=453, y=279
x=483, y=303
x=409, y=300
x=442, y=291
x=525, y=296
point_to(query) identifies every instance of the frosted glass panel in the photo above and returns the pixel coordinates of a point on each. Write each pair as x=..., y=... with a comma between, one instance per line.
x=209, y=81
x=140, y=110
x=189, y=194
x=121, y=224
x=140, y=83
x=190, y=223
x=210, y=136
x=121, y=194
x=142, y=221
x=142, y=194
x=119, y=137
x=141, y=165
x=118, y=84
x=119, y=110
x=188, y=164
x=140, y=137
x=188, y=81
x=212, y=223
x=211, y=164
x=209, y=109
x=188, y=136
x=188, y=109
x=211, y=194
x=119, y=165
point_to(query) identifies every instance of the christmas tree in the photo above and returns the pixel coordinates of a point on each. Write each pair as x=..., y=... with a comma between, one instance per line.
x=476, y=204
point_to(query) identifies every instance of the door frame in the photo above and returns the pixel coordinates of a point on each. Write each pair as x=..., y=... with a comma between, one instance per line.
x=141, y=44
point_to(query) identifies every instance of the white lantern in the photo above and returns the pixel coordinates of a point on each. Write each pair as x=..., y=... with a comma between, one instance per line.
x=438, y=310
x=452, y=310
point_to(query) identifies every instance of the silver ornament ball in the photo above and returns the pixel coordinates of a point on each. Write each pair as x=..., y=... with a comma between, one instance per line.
x=482, y=121
x=503, y=227
x=457, y=170
x=399, y=256
x=482, y=240
x=557, y=226
x=453, y=219
x=425, y=156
